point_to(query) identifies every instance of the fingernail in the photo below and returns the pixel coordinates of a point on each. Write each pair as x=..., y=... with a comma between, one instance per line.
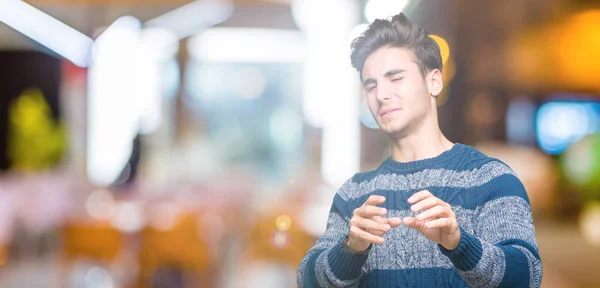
x=412, y=208
x=387, y=227
x=383, y=211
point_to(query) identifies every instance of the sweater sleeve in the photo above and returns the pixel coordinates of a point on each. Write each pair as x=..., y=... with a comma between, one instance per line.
x=327, y=263
x=502, y=251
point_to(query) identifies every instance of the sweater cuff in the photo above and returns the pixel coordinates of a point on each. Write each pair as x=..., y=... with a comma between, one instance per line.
x=345, y=265
x=467, y=254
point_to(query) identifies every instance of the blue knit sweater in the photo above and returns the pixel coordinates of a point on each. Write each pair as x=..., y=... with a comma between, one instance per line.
x=498, y=247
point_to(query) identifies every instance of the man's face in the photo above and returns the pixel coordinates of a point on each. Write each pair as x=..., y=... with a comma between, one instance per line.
x=397, y=94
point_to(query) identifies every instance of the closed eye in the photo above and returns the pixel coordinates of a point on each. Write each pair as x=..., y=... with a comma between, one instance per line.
x=397, y=79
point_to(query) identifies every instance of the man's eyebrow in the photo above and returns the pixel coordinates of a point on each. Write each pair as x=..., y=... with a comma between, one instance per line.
x=394, y=72
x=368, y=81
x=387, y=74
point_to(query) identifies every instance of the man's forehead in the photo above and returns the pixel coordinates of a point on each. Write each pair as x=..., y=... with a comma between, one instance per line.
x=377, y=65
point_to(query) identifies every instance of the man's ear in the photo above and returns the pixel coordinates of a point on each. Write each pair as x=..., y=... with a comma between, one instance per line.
x=435, y=82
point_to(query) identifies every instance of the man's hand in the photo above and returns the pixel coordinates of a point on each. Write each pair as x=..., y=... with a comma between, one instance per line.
x=368, y=226
x=437, y=222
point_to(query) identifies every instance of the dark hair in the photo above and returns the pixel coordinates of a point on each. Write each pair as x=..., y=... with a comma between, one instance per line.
x=397, y=32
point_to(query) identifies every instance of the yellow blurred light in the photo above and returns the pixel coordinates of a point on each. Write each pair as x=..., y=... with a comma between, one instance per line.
x=447, y=76
x=578, y=42
x=280, y=239
x=444, y=47
x=283, y=222
x=589, y=223
x=449, y=70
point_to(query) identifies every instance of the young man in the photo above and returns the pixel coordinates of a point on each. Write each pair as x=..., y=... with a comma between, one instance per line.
x=434, y=214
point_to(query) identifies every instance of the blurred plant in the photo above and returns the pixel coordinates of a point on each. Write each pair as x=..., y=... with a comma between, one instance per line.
x=35, y=141
x=581, y=166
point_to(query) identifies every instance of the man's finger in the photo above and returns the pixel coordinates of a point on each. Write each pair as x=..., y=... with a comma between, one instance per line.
x=419, y=196
x=376, y=232
x=394, y=222
x=440, y=223
x=364, y=235
x=413, y=223
x=425, y=204
x=432, y=213
x=369, y=211
x=370, y=225
x=374, y=200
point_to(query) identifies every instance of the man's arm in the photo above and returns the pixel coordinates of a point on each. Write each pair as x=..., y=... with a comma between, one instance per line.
x=328, y=264
x=502, y=249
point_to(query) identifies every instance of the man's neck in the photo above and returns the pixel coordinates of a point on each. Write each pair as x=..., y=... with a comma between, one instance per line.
x=426, y=142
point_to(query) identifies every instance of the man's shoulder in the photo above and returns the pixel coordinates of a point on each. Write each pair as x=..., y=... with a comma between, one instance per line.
x=358, y=185
x=482, y=164
x=365, y=176
x=491, y=179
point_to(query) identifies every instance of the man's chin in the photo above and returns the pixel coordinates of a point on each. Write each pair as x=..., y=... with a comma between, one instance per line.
x=394, y=132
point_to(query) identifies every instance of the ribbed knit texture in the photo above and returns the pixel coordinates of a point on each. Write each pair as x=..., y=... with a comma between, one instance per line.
x=497, y=248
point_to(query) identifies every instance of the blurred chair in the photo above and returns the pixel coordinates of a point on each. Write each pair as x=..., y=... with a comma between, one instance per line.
x=3, y=255
x=269, y=242
x=276, y=245
x=166, y=256
x=91, y=240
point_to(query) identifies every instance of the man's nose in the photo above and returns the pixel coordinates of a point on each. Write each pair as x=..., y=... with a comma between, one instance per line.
x=383, y=93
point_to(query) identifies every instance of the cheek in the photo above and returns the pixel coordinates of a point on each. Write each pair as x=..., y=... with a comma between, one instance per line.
x=414, y=95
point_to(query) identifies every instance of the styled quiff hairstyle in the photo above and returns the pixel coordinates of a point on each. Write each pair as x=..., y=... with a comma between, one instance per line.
x=397, y=32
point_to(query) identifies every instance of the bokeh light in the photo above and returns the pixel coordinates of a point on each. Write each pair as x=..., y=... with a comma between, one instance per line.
x=98, y=277
x=444, y=47
x=578, y=49
x=164, y=216
x=283, y=222
x=100, y=204
x=559, y=124
x=280, y=239
x=589, y=223
x=128, y=217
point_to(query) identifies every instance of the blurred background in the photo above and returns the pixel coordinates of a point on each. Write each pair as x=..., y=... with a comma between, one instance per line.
x=155, y=143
